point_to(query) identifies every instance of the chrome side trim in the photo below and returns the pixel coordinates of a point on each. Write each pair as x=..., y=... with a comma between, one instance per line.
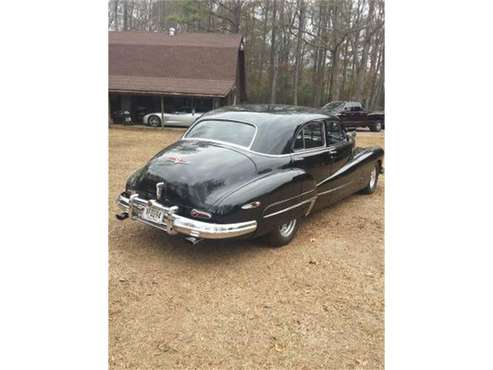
x=251, y=205
x=288, y=199
x=336, y=188
x=308, y=211
x=343, y=168
x=291, y=207
x=173, y=223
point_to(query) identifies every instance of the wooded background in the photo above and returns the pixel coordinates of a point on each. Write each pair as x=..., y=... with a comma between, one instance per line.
x=302, y=52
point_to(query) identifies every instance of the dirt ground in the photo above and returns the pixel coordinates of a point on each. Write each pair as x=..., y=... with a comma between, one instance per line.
x=316, y=303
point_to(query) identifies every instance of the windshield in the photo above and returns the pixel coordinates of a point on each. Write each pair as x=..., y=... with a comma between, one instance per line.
x=332, y=105
x=228, y=131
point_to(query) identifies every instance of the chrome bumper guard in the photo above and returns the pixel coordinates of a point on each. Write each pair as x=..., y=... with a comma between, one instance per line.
x=174, y=224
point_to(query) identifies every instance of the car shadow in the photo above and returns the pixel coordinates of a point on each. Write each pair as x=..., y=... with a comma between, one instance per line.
x=206, y=251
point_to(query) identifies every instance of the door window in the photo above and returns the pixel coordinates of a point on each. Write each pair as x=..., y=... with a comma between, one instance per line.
x=335, y=133
x=310, y=136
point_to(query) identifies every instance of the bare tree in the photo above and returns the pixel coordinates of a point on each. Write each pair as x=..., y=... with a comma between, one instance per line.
x=298, y=53
x=274, y=56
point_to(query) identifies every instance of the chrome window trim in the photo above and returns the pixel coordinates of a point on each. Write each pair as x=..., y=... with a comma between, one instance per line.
x=184, y=137
x=324, y=145
x=344, y=140
x=249, y=148
x=237, y=146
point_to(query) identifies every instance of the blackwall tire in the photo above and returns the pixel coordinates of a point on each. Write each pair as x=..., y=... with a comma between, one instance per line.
x=154, y=121
x=284, y=233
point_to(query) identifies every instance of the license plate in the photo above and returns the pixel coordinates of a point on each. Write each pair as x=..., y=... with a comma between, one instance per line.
x=153, y=214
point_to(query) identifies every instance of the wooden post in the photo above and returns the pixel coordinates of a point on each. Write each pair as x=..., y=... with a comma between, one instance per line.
x=110, y=120
x=162, y=111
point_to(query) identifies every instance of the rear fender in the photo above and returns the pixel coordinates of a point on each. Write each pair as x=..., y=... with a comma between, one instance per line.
x=275, y=192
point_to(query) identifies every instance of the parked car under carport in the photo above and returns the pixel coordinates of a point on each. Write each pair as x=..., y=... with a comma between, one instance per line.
x=183, y=117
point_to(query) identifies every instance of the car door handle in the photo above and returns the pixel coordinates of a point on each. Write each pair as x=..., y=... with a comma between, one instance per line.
x=332, y=151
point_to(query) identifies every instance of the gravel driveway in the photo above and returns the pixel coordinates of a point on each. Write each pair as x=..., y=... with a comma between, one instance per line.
x=316, y=303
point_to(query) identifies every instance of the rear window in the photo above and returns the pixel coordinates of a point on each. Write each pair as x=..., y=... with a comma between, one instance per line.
x=228, y=131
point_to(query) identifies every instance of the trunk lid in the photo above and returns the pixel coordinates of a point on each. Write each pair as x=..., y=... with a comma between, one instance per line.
x=195, y=174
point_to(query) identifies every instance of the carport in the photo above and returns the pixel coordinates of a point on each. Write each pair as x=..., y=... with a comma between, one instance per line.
x=156, y=72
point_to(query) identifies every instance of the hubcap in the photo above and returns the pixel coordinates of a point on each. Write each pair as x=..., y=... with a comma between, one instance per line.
x=154, y=121
x=379, y=126
x=287, y=229
x=373, y=177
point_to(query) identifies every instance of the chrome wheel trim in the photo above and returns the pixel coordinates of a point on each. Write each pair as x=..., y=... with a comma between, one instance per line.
x=373, y=177
x=378, y=126
x=287, y=229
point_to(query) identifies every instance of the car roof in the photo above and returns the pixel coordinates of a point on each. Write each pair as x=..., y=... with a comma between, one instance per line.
x=276, y=123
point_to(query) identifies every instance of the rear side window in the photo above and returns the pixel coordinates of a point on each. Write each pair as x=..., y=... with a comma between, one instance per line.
x=310, y=136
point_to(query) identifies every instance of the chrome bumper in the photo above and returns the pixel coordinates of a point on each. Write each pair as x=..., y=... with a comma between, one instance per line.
x=174, y=224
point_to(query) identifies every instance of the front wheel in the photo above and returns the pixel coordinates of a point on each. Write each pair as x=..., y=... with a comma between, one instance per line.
x=373, y=180
x=377, y=127
x=154, y=121
x=284, y=232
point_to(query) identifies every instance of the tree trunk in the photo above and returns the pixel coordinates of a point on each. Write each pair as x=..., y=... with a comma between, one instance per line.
x=378, y=98
x=115, y=15
x=274, y=57
x=321, y=56
x=373, y=82
x=236, y=13
x=125, y=15
x=360, y=80
x=301, y=28
x=333, y=71
x=264, y=42
x=342, y=92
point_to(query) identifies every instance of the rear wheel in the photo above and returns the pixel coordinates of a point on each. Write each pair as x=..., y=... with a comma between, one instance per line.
x=372, y=181
x=154, y=121
x=376, y=127
x=284, y=232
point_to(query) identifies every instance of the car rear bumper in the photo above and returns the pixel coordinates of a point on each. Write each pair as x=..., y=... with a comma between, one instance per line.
x=175, y=224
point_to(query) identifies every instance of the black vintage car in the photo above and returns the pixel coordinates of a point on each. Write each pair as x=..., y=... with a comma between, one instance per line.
x=250, y=171
x=353, y=114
